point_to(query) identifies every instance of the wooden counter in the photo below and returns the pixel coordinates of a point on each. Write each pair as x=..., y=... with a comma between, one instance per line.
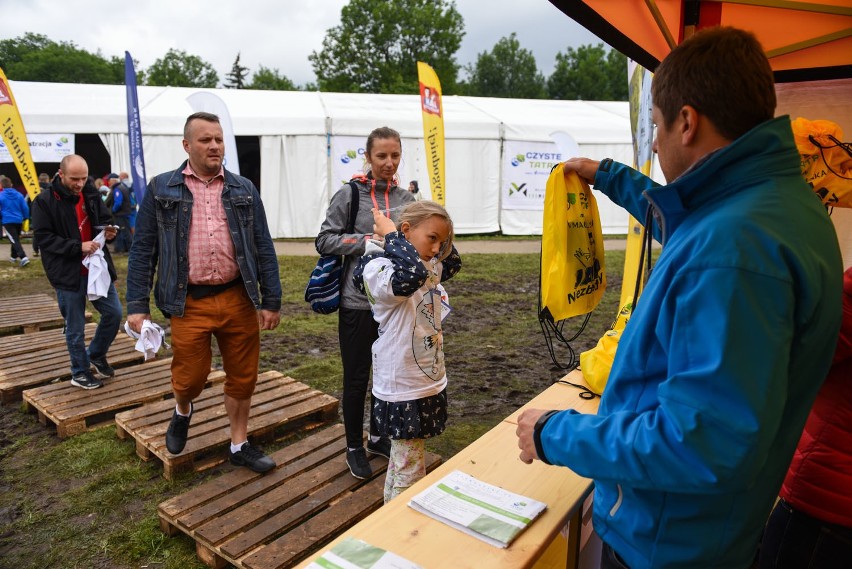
x=492, y=458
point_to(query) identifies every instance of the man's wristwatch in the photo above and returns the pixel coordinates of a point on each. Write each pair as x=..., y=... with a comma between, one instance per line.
x=539, y=425
x=605, y=165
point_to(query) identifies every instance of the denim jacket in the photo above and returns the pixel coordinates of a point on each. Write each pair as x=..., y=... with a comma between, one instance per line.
x=162, y=237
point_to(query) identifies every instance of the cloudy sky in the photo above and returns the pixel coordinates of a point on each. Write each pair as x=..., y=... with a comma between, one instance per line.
x=275, y=33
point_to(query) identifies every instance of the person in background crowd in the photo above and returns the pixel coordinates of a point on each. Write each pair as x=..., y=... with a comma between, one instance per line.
x=126, y=181
x=13, y=212
x=119, y=203
x=210, y=255
x=414, y=188
x=66, y=218
x=357, y=330
x=43, y=184
x=811, y=525
x=718, y=367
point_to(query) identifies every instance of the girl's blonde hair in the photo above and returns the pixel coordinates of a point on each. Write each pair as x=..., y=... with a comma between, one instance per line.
x=417, y=212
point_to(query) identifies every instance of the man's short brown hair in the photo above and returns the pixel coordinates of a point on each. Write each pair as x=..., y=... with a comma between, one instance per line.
x=209, y=117
x=723, y=74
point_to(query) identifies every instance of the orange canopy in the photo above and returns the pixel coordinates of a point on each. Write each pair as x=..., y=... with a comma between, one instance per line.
x=804, y=40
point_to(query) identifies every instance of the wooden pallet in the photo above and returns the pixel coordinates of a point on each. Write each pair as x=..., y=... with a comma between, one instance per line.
x=18, y=344
x=31, y=313
x=74, y=410
x=44, y=364
x=280, y=404
x=275, y=520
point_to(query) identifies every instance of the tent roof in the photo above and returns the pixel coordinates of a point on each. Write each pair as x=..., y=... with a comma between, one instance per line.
x=804, y=40
x=81, y=108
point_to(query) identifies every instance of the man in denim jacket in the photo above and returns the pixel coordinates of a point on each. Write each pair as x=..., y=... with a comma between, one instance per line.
x=203, y=230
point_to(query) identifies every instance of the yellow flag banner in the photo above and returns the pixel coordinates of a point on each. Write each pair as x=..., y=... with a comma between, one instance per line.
x=432, y=106
x=15, y=138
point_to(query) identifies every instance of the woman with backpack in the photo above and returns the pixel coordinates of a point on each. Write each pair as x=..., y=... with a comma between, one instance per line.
x=376, y=188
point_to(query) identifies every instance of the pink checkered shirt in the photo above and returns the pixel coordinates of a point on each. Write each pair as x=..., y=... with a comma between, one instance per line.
x=211, y=255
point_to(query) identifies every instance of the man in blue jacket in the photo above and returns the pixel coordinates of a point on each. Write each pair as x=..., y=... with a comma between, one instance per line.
x=13, y=211
x=203, y=231
x=725, y=351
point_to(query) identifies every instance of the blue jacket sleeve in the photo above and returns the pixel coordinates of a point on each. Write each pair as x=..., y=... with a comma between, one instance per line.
x=625, y=186
x=117, y=198
x=451, y=265
x=267, y=261
x=142, y=262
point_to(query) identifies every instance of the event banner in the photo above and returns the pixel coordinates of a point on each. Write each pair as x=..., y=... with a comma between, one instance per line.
x=526, y=167
x=433, y=129
x=347, y=159
x=43, y=147
x=15, y=138
x=134, y=129
x=642, y=129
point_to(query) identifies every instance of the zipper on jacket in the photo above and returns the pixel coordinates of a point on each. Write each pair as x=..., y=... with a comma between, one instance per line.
x=617, y=504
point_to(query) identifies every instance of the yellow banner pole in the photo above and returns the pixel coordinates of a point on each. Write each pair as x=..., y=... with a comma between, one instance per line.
x=12, y=128
x=432, y=105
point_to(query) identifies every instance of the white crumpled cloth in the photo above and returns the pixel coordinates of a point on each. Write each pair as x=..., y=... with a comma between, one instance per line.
x=149, y=340
x=99, y=279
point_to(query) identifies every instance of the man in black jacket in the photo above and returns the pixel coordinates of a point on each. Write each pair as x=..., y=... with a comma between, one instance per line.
x=66, y=218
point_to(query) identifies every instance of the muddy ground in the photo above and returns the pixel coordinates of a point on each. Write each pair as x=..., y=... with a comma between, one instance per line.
x=496, y=359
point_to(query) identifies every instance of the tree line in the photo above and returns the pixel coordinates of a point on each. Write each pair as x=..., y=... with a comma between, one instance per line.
x=372, y=50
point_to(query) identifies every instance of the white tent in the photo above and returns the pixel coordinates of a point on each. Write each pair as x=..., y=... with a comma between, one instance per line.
x=301, y=134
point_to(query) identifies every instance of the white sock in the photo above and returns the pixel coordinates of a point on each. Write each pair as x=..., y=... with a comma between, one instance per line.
x=375, y=439
x=356, y=448
x=236, y=448
x=177, y=410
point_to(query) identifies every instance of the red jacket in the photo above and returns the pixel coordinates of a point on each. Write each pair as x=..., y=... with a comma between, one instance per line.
x=819, y=481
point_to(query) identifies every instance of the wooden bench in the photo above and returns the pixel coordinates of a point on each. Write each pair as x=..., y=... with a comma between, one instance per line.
x=44, y=364
x=31, y=313
x=280, y=404
x=73, y=410
x=277, y=519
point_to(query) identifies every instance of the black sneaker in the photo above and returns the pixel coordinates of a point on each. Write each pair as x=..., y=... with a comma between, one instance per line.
x=252, y=458
x=178, y=431
x=356, y=460
x=381, y=447
x=102, y=368
x=86, y=380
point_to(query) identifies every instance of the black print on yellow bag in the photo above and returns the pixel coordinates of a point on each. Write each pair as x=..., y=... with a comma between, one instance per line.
x=826, y=160
x=573, y=272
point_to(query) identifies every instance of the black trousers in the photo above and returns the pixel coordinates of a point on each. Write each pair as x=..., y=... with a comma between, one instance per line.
x=610, y=559
x=794, y=539
x=357, y=331
x=13, y=230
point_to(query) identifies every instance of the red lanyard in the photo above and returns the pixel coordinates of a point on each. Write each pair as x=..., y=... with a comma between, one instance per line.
x=373, y=197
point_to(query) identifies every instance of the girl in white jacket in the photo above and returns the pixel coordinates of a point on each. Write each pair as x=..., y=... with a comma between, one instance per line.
x=402, y=277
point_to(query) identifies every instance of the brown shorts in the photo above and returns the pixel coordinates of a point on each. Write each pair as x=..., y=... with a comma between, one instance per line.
x=232, y=318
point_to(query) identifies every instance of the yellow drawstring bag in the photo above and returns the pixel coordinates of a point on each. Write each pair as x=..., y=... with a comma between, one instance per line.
x=573, y=275
x=826, y=160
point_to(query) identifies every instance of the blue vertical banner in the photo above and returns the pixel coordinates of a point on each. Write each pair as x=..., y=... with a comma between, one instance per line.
x=134, y=130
